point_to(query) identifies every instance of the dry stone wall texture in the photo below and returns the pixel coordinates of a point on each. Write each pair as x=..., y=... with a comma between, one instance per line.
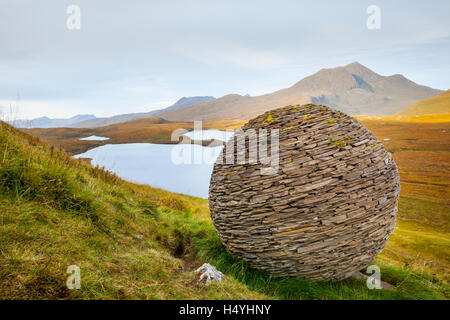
x=326, y=213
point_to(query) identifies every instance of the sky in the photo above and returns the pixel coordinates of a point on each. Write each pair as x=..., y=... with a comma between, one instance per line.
x=136, y=56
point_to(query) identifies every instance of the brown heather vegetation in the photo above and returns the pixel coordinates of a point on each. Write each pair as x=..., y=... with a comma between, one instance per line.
x=422, y=153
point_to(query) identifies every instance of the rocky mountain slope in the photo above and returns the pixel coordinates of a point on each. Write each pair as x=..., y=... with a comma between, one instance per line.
x=353, y=89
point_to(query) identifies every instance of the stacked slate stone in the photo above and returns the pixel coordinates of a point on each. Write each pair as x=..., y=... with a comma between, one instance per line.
x=326, y=213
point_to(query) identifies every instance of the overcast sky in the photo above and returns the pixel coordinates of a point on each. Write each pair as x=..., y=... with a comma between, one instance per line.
x=132, y=56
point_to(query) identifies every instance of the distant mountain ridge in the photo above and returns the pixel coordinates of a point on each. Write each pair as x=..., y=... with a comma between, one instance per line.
x=45, y=122
x=91, y=121
x=353, y=89
x=100, y=122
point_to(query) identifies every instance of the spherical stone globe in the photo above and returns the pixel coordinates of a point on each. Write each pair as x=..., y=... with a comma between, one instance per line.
x=325, y=212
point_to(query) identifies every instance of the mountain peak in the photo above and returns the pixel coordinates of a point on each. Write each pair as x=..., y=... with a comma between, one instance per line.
x=187, y=101
x=356, y=67
x=355, y=64
x=181, y=99
x=363, y=72
x=398, y=76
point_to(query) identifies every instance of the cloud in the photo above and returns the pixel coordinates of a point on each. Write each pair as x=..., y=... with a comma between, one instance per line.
x=130, y=56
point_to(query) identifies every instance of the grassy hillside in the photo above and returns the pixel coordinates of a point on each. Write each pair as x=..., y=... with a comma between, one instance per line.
x=133, y=241
x=435, y=105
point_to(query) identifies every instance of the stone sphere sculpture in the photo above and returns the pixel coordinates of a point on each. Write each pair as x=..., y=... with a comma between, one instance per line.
x=324, y=213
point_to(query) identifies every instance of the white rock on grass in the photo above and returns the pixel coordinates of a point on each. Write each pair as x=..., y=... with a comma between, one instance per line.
x=210, y=273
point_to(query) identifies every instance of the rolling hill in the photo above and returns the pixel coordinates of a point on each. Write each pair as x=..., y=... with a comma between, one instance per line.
x=434, y=105
x=353, y=89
